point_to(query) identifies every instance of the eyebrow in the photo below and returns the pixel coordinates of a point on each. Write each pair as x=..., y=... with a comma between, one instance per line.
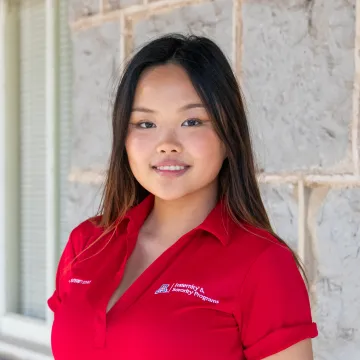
x=183, y=108
x=142, y=109
x=192, y=106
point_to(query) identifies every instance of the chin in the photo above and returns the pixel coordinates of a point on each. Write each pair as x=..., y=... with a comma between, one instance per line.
x=169, y=194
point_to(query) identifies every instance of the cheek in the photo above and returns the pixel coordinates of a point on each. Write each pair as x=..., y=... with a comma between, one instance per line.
x=206, y=146
x=136, y=147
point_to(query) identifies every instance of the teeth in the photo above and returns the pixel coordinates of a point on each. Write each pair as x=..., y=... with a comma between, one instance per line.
x=171, y=168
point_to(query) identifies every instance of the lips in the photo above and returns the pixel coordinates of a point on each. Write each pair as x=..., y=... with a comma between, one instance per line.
x=170, y=165
x=171, y=168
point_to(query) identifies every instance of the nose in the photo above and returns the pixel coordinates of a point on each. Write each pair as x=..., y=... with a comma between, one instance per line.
x=169, y=144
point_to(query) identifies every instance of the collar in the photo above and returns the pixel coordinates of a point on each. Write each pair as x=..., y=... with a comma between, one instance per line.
x=218, y=222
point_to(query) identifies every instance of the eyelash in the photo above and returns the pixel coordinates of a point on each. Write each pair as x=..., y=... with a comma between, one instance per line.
x=199, y=122
x=139, y=124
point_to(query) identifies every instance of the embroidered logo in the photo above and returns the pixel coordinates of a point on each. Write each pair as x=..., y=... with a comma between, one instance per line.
x=162, y=289
x=190, y=290
x=79, y=281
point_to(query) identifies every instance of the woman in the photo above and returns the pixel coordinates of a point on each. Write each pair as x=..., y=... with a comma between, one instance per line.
x=182, y=261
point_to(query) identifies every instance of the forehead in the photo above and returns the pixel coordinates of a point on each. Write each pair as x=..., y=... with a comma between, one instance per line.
x=165, y=84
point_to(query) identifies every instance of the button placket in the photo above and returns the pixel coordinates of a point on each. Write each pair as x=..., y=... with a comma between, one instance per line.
x=100, y=329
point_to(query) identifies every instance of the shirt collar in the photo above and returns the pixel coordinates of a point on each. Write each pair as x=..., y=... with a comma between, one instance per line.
x=218, y=222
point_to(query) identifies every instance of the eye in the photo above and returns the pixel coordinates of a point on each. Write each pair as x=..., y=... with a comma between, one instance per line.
x=191, y=122
x=145, y=125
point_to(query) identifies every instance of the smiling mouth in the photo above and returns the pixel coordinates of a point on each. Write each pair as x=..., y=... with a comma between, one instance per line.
x=171, y=170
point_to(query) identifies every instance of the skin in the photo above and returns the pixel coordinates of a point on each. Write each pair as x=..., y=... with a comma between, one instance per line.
x=169, y=121
x=300, y=351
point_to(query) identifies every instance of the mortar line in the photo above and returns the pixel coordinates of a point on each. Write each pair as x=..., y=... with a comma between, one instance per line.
x=102, y=6
x=233, y=42
x=122, y=55
x=311, y=179
x=237, y=40
x=161, y=5
x=356, y=96
x=84, y=23
x=79, y=175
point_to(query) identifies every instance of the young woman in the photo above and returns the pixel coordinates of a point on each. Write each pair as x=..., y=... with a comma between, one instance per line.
x=181, y=261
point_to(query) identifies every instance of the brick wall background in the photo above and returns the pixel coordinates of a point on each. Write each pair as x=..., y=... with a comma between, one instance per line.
x=299, y=65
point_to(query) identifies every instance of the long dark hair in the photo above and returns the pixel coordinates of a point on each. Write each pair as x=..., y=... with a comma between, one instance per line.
x=214, y=80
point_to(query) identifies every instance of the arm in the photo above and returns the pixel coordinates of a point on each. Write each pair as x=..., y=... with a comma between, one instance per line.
x=300, y=351
x=275, y=319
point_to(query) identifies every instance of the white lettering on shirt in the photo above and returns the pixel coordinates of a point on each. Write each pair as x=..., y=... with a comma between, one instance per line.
x=188, y=289
x=79, y=281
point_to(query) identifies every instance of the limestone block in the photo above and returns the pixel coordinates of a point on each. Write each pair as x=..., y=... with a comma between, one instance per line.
x=338, y=278
x=79, y=8
x=282, y=209
x=96, y=74
x=83, y=202
x=212, y=19
x=298, y=72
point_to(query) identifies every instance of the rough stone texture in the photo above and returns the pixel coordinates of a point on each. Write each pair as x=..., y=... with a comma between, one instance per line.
x=83, y=202
x=338, y=280
x=96, y=65
x=282, y=208
x=118, y=4
x=79, y=8
x=213, y=19
x=298, y=72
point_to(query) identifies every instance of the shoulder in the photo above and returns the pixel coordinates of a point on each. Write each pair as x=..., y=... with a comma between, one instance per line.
x=81, y=235
x=268, y=265
x=259, y=247
x=89, y=232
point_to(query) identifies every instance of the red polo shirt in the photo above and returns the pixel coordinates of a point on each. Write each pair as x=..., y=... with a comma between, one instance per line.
x=222, y=291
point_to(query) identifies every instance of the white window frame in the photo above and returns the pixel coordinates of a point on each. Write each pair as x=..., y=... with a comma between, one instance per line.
x=13, y=325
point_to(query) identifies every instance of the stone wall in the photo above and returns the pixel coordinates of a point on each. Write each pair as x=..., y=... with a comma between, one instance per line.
x=298, y=63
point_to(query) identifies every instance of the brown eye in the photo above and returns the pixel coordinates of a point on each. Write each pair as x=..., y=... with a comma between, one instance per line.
x=191, y=122
x=146, y=125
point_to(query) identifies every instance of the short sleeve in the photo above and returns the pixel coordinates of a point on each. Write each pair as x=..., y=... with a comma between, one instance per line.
x=66, y=258
x=274, y=305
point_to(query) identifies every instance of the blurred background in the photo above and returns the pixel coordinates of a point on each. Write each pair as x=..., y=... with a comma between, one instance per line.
x=298, y=62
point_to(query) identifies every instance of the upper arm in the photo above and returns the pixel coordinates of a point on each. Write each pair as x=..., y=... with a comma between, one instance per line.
x=300, y=351
x=274, y=307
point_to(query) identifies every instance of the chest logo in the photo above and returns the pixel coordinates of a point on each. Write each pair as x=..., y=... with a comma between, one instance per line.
x=188, y=289
x=163, y=289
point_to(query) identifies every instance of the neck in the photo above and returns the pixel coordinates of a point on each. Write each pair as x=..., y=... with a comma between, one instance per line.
x=169, y=220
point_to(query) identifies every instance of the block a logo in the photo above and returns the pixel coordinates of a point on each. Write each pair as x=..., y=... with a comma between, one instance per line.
x=163, y=289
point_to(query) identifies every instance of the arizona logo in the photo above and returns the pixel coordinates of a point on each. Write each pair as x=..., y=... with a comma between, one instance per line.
x=163, y=289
